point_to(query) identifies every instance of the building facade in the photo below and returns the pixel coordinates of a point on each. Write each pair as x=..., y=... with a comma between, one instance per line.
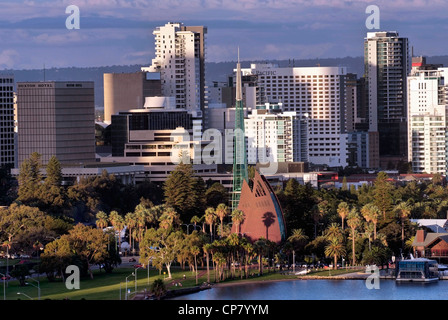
x=427, y=119
x=317, y=93
x=56, y=118
x=124, y=91
x=7, y=136
x=386, y=60
x=180, y=64
x=281, y=137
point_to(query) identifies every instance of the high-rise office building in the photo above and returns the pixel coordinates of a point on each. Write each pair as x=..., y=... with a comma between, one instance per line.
x=317, y=93
x=427, y=117
x=281, y=137
x=124, y=91
x=56, y=118
x=180, y=64
x=7, y=149
x=386, y=60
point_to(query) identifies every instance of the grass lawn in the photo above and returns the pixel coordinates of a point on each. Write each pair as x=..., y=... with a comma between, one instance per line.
x=113, y=286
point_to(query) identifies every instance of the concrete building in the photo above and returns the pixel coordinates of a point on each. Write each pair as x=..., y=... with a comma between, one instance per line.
x=56, y=118
x=427, y=118
x=180, y=64
x=316, y=92
x=124, y=91
x=281, y=137
x=386, y=60
x=7, y=136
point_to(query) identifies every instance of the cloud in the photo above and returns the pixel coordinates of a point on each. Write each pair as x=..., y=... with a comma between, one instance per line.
x=8, y=58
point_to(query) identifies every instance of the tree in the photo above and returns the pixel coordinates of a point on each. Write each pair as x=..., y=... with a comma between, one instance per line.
x=336, y=249
x=216, y=194
x=102, y=221
x=210, y=218
x=221, y=212
x=54, y=172
x=90, y=244
x=383, y=193
x=162, y=245
x=238, y=217
x=371, y=213
x=354, y=222
x=169, y=218
x=184, y=192
x=298, y=238
x=29, y=179
x=343, y=211
x=403, y=210
x=158, y=288
x=131, y=223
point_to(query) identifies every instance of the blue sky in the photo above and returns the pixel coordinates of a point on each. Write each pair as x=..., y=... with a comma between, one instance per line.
x=117, y=32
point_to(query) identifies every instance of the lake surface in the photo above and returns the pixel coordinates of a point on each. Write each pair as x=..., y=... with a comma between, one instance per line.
x=324, y=290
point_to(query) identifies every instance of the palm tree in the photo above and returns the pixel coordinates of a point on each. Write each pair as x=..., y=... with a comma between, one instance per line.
x=354, y=222
x=371, y=213
x=195, y=220
x=101, y=220
x=260, y=248
x=333, y=231
x=195, y=251
x=343, y=211
x=169, y=218
x=207, y=249
x=221, y=212
x=238, y=217
x=131, y=223
x=298, y=237
x=336, y=249
x=210, y=218
x=404, y=210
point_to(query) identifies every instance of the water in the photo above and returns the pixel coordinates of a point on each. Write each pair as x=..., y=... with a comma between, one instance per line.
x=324, y=290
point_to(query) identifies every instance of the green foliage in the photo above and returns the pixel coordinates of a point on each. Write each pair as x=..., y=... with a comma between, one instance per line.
x=158, y=288
x=184, y=192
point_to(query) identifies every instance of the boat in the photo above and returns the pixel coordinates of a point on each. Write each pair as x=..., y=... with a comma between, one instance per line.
x=417, y=270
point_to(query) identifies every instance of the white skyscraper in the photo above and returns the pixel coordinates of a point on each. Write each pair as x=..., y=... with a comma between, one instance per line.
x=281, y=137
x=313, y=92
x=427, y=119
x=179, y=64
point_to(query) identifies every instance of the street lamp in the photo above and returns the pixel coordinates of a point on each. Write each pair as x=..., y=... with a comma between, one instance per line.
x=126, y=292
x=25, y=295
x=38, y=287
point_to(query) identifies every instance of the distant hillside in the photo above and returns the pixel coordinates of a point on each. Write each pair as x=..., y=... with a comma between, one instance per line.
x=215, y=71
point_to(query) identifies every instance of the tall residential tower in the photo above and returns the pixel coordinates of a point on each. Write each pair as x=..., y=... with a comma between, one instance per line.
x=180, y=64
x=386, y=60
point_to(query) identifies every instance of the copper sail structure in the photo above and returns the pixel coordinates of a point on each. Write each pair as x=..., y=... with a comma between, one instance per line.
x=239, y=142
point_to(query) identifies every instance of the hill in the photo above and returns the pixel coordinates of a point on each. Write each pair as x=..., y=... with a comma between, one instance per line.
x=215, y=71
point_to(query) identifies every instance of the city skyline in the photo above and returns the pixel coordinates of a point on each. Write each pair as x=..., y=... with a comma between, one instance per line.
x=120, y=32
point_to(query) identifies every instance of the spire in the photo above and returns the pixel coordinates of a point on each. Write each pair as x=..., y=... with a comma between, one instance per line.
x=239, y=95
x=239, y=148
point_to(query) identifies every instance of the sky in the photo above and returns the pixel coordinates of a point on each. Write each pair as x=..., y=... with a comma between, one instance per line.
x=33, y=33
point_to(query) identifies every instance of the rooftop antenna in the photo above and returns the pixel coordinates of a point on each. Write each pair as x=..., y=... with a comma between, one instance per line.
x=44, y=71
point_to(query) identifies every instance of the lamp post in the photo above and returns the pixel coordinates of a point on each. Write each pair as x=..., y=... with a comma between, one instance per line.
x=38, y=287
x=4, y=286
x=25, y=295
x=126, y=292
